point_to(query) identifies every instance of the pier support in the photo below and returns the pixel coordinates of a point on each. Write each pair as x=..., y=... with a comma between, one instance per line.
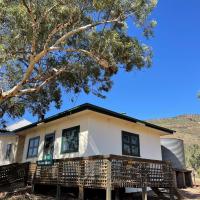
x=58, y=193
x=33, y=188
x=81, y=193
x=117, y=194
x=144, y=193
x=109, y=186
x=108, y=193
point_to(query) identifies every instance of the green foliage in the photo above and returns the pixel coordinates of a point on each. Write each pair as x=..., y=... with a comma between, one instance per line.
x=29, y=27
x=192, y=153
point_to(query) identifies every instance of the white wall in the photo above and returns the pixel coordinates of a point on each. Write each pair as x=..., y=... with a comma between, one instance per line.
x=4, y=140
x=105, y=136
x=57, y=127
x=99, y=135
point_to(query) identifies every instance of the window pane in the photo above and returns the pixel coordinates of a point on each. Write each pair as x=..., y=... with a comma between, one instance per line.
x=31, y=142
x=130, y=144
x=135, y=150
x=126, y=138
x=134, y=140
x=37, y=142
x=34, y=151
x=30, y=152
x=70, y=140
x=33, y=147
x=127, y=149
x=65, y=146
x=8, y=151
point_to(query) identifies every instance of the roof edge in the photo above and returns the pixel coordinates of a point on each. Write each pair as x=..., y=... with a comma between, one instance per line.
x=88, y=106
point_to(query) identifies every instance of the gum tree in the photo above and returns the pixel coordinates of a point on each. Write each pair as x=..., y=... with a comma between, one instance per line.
x=71, y=45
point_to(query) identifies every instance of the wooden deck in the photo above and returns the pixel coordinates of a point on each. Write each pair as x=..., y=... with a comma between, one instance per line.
x=103, y=171
x=13, y=174
x=98, y=172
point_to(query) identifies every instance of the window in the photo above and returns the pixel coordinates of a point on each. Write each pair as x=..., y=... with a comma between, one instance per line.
x=8, y=151
x=130, y=144
x=33, y=147
x=70, y=140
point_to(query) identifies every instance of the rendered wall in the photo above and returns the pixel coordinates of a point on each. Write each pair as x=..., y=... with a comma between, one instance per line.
x=105, y=137
x=4, y=140
x=99, y=135
x=57, y=127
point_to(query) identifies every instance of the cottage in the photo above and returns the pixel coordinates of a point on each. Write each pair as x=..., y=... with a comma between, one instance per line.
x=96, y=148
x=9, y=142
x=89, y=130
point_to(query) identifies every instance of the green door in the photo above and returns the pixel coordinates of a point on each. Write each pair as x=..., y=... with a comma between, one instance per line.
x=49, y=146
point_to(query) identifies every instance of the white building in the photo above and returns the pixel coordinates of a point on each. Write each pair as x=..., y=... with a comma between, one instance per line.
x=9, y=142
x=88, y=130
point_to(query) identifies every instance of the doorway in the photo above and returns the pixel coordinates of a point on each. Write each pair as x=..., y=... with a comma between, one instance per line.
x=49, y=146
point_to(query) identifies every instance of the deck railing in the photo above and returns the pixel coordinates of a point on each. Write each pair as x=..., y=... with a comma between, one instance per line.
x=106, y=171
x=14, y=173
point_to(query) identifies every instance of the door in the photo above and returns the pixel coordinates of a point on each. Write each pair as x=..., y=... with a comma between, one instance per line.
x=49, y=146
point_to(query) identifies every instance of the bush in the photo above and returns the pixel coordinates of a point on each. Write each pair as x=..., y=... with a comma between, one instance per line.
x=192, y=154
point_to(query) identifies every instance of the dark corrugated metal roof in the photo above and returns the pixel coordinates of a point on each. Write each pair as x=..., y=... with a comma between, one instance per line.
x=98, y=109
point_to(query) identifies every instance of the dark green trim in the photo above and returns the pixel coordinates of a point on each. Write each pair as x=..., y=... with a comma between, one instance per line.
x=68, y=129
x=47, y=135
x=94, y=108
x=45, y=162
x=130, y=134
x=38, y=137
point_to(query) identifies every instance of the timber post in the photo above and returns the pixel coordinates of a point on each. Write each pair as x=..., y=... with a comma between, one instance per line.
x=81, y=193
x=109, y=187
x=58, y=192
x=33, y=188
x=117, y=194
x=33, y=180
x=144, y=193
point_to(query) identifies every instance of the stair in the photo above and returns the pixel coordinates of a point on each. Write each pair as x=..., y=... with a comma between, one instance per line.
x=167, y=193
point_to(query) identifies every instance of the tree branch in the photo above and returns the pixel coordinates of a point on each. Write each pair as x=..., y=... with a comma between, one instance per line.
x=54, y=31
x=101, y=61
x=12, y=92
x=45, y=82
x=28, y=9
x=36, y=58
x=81, y=29
x=48, y=11
x=34, y=27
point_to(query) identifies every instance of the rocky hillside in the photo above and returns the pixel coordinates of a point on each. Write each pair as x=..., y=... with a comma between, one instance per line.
x=187, y=127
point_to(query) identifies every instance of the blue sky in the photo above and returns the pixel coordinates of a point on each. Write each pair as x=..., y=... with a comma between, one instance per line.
x=170, y=86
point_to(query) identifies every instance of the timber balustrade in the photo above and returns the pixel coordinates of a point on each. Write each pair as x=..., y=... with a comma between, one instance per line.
x=104, y=172
x=14, y=173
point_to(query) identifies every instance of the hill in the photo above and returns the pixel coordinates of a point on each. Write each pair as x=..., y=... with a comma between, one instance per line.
x=187, y=127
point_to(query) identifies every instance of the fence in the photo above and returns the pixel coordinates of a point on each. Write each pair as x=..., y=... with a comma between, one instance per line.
x=14, y=173
x=101, y=171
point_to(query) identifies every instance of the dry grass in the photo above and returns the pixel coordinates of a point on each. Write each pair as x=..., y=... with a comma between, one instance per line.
x=187, y=127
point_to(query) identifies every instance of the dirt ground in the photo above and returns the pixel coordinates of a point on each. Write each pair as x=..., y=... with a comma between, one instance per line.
x=187, y=194
x=192, y=193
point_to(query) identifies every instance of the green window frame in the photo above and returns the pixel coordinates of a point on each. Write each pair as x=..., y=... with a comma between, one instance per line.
x=48, y=149
x=130, y=144
x=70, y=140
x=33, y=147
